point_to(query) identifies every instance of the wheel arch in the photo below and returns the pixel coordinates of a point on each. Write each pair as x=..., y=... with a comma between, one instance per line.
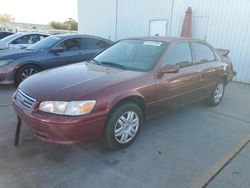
x=19, y=66
x=133, y=97
x=224, y=78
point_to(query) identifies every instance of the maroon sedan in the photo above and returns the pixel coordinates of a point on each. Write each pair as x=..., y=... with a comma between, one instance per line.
x=110, y=96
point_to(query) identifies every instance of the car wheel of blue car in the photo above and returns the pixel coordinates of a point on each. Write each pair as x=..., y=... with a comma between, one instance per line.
x=25, y=72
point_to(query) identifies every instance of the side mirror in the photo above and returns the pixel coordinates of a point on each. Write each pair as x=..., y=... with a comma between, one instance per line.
x=168, y=69
x=57, y=50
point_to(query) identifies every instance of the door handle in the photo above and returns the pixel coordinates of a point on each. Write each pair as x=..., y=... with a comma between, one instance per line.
x=192, y=77
x=81, y=53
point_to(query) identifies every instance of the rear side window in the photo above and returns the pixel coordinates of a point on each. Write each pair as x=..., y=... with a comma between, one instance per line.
x=202, y=53
x=92, y=44
x=179, y=54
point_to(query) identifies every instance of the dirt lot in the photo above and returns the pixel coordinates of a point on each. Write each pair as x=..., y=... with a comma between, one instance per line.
x=194, y=146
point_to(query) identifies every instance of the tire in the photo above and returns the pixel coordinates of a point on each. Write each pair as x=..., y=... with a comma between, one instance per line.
x=26, y=71
x=217, y=94
x=123, y=126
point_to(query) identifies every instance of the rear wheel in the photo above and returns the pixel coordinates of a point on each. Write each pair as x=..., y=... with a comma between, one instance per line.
x=123, y=126
x=217, y=94
x=25, y=72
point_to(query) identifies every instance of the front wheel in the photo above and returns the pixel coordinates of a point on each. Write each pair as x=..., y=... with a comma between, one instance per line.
x=25, y=72
x=123, y=126
x=217, y=94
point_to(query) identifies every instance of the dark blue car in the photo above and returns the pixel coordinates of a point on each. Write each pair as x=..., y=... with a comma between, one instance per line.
x=53, y=51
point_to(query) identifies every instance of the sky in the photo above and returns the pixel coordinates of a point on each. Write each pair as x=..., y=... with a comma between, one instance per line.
x=39, y=11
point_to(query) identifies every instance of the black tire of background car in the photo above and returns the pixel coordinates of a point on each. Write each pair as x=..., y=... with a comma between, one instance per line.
x=18, y=78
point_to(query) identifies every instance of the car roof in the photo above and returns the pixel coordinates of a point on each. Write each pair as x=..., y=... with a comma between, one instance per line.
x=79, y=35
x=30, y=33
x=5, y=32
x=163, y=39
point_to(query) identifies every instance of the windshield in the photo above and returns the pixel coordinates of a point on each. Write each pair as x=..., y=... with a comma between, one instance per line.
x=131, y=54
x=45, y=44
x=10, y=37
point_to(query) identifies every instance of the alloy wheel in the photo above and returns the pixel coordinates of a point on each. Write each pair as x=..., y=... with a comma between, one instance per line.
x=126, y=127
x=218, y=93
x=28, y=72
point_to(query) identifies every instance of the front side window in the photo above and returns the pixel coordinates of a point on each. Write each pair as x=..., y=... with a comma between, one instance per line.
x=73, y=44
x=202, y=53
x=179, y=54
x=27, y=39
x=132, y=54
x=93, y=44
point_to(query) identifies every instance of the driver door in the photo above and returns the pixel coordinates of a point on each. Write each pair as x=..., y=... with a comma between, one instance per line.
x=72, y=53
x=175, y=89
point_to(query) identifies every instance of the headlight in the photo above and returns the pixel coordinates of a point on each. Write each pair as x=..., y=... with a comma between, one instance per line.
x=4, y=62
x=73, y=108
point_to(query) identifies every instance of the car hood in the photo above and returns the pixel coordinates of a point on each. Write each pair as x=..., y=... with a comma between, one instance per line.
x=74, y=82
x=15, y=53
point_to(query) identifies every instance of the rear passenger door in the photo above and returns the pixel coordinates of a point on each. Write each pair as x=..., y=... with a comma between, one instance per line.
x=174, y=89
x=93, y=46
x=207, y=67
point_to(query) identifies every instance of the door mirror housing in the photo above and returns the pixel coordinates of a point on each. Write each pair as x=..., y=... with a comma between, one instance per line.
x=168, y=69
x=57, y=50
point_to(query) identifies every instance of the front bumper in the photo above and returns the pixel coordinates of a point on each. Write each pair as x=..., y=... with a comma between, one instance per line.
x=62, y=129
x=7, y=75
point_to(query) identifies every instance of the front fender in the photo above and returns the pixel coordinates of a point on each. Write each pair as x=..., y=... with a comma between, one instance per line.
x=123, y=96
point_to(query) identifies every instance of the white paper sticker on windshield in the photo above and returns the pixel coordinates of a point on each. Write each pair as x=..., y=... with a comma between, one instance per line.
x=152, y=43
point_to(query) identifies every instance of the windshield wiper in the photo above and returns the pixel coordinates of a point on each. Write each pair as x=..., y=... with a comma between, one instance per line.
x=115, y=65
x=28, y=49
x=96, y=62
x=109, y=64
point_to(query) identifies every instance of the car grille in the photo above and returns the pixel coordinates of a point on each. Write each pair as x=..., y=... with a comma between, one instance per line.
x=24, y=99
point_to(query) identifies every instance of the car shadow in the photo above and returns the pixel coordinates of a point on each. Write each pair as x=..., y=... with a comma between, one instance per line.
x=31, y=147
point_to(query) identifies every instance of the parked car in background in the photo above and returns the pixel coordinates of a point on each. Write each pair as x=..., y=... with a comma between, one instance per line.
x=56, y=50
x=110, y=96
x=4, y=34
x=21, y=40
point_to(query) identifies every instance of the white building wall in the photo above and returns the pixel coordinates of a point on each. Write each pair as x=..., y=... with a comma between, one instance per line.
x=134, y=16
x=97, y=17
x=223, y=23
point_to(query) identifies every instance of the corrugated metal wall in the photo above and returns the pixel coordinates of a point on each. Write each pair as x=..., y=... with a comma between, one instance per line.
x=134, y=16
x=97, y=17
x=223, y=23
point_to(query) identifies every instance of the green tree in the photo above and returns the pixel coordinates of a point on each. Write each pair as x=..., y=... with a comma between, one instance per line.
x=6, y=18
x=70, y=24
